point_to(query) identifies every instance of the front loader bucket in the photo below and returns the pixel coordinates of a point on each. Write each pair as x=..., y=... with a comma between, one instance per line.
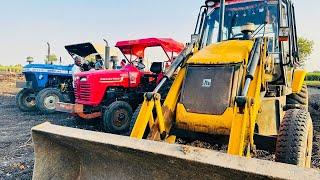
x=67, y=153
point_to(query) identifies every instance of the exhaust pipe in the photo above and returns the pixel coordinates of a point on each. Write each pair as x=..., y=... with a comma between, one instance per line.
x=107, y=54
x=67, y=153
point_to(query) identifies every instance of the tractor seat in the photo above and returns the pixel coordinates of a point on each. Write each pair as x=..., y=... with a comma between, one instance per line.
x=156, y=67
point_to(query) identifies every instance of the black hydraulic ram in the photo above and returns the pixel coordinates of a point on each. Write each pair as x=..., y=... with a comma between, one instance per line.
x=176, y=64
x=252, y=66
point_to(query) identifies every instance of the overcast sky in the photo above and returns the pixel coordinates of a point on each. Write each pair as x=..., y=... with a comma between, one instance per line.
x=26, y=26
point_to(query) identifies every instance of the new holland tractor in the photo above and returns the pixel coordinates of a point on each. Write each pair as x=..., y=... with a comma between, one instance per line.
x=239, y=79
x=47, y=84
x=113, y=95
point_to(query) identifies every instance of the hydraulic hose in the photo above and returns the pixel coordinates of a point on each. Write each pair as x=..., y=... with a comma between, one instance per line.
x=254, y=61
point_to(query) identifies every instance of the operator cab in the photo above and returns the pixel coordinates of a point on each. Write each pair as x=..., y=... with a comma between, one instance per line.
x=261, y=17
x=268, y=19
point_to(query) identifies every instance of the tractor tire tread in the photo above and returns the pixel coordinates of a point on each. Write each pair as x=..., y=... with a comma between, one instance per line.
x=292, y=136
x=106, y=115
x=20, y=104
x=299, y=98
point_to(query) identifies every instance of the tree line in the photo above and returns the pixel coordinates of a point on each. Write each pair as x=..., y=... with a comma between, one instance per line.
x=305, y=50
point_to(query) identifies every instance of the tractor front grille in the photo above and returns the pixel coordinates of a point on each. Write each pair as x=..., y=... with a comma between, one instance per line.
x=82, y=91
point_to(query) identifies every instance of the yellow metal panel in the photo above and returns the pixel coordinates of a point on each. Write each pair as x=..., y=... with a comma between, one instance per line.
x=271, y=113
x=171, y=139
x=204, y=123
x=143, y=119
x=169, y=105
x=298, y=79
x=151, y=120
x=159, y=115
x=238, y=133
x=233, y=51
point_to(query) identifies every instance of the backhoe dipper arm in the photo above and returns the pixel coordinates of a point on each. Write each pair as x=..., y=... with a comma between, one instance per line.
x=248, y=104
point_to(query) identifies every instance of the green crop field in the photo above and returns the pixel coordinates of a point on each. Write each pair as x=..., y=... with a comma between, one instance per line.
x=12, y=69
x=314, y=76
x=313, y=83
x=313, y=79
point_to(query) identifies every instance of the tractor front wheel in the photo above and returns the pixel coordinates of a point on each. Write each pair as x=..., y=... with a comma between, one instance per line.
x=47, y=99
x=294, y=142
x=116, y=117
x=25, y=100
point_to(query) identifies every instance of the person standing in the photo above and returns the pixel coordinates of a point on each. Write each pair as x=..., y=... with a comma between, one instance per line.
x=76, y=69
x=99, y=63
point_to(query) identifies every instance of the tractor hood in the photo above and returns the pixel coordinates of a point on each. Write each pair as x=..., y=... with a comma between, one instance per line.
x=233, y=51
x=47, y=68
x=85, y=49
x=111, y=77
x=99, y=73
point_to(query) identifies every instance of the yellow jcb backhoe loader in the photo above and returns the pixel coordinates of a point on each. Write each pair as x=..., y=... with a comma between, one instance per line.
x=240, y=77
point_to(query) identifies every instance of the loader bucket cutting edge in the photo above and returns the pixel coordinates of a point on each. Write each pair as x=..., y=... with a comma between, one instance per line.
x=67, y=153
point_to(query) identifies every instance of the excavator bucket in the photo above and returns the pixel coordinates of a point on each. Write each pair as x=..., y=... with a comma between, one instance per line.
x=67, y=153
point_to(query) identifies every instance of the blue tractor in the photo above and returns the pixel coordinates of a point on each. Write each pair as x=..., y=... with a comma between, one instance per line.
x=47, y=84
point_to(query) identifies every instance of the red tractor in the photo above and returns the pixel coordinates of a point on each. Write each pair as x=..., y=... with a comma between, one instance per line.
x=115, y=94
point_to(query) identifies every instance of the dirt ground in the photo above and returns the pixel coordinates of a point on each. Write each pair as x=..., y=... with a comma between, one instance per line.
x=16, y=148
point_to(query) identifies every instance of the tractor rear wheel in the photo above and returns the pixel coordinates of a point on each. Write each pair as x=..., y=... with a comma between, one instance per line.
x=116, y=117
x=294, y=142
x=47, y=99
x=25, y=100
x=298, y=100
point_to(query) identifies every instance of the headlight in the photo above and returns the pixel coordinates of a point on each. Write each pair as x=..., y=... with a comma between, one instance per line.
x=83, y=79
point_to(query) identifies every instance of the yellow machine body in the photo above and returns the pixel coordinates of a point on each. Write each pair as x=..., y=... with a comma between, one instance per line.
x=298, y=80
x=227, y=52
x=238, y=125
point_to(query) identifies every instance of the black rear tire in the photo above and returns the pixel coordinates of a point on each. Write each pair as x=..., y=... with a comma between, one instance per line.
x=299, y=99
x=25, y=100
x=116, y=118
x=294, y=142
x=47, y=99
